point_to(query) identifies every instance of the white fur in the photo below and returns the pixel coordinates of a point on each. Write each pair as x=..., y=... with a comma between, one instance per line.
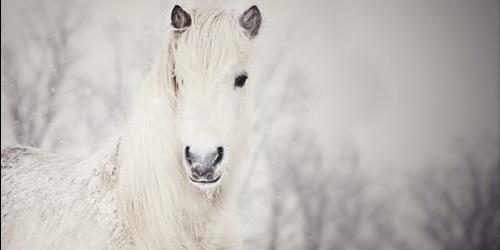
x=135, y=192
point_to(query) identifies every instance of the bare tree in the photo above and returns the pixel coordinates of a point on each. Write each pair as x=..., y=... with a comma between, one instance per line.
x=334, y=208
x=277, y=210
x=118, y=94
x=309, y=181
x=462, y=204
x=36, y=64
x=112, y=101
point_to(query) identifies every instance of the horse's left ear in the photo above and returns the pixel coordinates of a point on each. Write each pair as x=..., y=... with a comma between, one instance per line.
x=250, y=21
x=180, y=18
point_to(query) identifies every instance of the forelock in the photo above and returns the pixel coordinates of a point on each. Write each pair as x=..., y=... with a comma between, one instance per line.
x=214, y=41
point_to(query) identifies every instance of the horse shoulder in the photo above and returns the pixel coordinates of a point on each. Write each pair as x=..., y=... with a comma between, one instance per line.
x=65, y=196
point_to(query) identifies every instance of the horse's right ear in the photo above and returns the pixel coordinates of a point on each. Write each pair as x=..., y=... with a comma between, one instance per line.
x=180, y=19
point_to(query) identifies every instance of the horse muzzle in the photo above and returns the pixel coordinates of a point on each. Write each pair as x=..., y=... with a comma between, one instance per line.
x=204, y=168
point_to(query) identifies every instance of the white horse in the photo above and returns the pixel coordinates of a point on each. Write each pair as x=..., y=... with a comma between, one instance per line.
x=169, y=180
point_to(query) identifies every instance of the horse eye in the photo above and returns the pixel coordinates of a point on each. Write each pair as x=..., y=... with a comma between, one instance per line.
x=240, y=80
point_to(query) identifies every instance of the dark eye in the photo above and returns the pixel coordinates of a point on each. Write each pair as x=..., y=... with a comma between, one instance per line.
x=240, y=80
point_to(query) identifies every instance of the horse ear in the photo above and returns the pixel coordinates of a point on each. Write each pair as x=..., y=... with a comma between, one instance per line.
x=180, y=18
x=250, y=21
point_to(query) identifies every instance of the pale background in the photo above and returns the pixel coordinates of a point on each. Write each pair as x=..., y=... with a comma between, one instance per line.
x=377, y=121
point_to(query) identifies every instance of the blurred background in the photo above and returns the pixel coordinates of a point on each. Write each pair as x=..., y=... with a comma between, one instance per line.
x=377, y=122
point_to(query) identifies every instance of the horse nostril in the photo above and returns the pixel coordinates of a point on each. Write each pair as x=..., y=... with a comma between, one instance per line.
x=188, y=156
x=219, y=155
